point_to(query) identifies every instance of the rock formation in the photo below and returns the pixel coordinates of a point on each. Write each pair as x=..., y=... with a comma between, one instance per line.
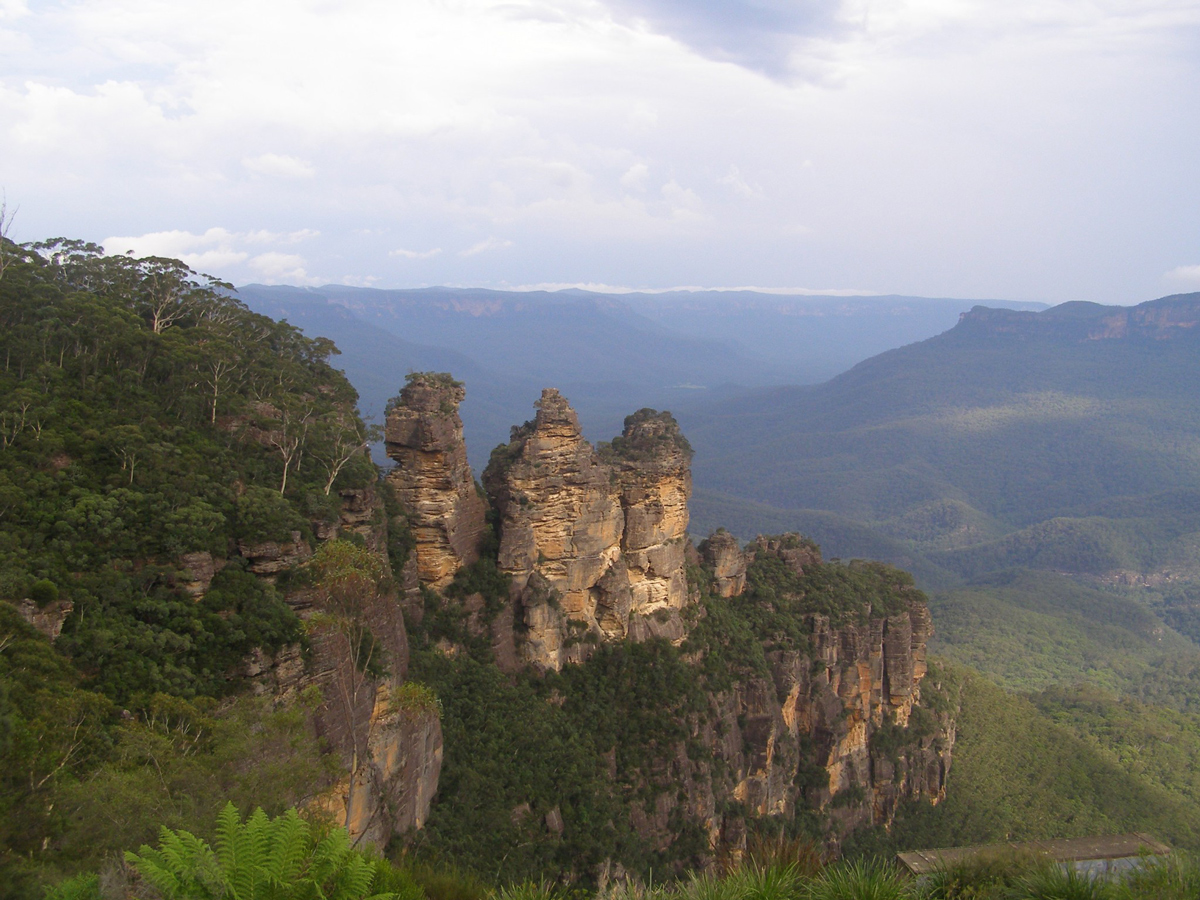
x=723, y=554
x=431, y=479
x=390, y=751
x=652, y=461
x=835, y=726
x=594, y=544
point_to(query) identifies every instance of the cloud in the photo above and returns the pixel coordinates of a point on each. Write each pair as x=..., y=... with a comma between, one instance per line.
x=484, y=246
x=739, y=185
x=917, y=149
x=759, y=34
x=214, y=250
x=416, y=254
x=1188, y=275
x=279, y=166
x=286, y=268
x=636, y=177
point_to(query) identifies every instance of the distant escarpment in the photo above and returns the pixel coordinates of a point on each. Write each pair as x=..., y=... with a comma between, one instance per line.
x=1167, y=318
x=774, y=686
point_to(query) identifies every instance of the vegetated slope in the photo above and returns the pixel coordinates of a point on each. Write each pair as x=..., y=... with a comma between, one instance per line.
x=811, y=337
x=1040, y=472
x=1067, y=763
x=147, y=418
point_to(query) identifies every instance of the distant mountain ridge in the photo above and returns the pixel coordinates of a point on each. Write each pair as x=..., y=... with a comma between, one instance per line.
x=607, y=352
x=1019, y=415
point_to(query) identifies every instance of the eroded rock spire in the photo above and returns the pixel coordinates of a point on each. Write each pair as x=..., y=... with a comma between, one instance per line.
x=432, y=479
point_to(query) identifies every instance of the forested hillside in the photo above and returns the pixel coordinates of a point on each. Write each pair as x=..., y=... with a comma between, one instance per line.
x=151, y=425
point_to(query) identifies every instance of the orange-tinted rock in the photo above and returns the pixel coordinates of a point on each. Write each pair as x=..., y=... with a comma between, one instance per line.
x=594, y=542
x=723, y=554
x=432, y=479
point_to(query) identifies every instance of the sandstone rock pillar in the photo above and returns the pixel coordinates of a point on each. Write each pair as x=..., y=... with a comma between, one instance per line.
x=432, y=479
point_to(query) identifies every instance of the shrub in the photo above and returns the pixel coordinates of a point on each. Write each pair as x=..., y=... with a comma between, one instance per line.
x=43, y=591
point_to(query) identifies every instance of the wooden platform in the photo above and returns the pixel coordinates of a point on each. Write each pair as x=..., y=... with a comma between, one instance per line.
x=1094, y=852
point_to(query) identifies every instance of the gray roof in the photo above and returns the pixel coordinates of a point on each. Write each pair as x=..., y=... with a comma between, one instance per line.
x=1111, y=846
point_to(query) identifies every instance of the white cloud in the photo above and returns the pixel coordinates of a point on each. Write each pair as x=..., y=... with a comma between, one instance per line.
x=916, y=146
x=279, y=166
x=275, y=268
x=636, y=176
x=216, y=250
x=739, y=185
x=416, y=254
x=1188, y=275
x=492, y=243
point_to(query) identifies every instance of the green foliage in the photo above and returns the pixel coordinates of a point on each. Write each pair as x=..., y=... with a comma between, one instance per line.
x=43, y=591
x=81, y=887
x=147, y=414
x=263, y=515
x=141, y=635
x=506, y=747
x=860, y=880
x=988, y=874
x=1029, y=630
x=1021, y=774
x=283, y=858
x=412, y=696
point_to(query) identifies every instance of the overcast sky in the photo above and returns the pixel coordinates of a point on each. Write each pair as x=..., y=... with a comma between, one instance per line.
x=1024, y=149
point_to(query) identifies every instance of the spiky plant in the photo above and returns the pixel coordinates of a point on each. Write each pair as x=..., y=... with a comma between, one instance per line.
x=1054, y=882
x=860, y=880
x=1173, y=878
x=981, y=876
x=260, y=859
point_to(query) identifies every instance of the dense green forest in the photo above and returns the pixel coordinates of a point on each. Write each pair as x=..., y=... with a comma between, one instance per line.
x=147, y=415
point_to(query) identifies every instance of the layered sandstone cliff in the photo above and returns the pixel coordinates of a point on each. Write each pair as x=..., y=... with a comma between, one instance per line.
x=594, y=544
x=432, y=479
x=389, y=751
x=835, y=726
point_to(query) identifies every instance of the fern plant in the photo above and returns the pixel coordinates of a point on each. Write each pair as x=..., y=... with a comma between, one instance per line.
x=260, y=859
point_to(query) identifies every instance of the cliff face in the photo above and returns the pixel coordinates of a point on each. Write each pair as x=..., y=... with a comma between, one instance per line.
x=432, y=479
x=834, y=726
x=389, y=753
x=594, y=544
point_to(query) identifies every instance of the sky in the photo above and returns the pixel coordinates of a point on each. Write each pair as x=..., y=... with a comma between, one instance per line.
x=1026, y=150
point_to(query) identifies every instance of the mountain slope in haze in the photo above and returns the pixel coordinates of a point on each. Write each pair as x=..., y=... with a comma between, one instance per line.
x=812, y=337
x=1008, y=419
x=607, y=353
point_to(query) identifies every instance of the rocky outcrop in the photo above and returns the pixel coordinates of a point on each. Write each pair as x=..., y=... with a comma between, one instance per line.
x=432, y=479
x=392, y=789
x=722, y=552
x=48, y=619
x=389, y=752
x=269, y=558
x=594, y=543
x=835, y=725
x=652, y=463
